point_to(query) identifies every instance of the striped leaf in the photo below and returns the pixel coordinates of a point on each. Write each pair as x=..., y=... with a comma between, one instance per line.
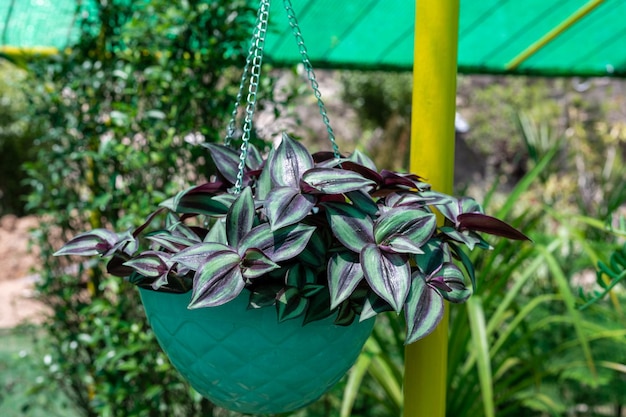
x=95, y=242
x=413, y=224
x=388, y=274
x=166, y=240
x=344, y=274
x=351, y=226
x=290, y=304
x=423, y=310
x=150, y=264
x=452, y=278
x=218, y=281
x=279, y=245
x=336, y=181
x=289, y=162
x=255, y=264
x=240, y=217
x=226, y=160
x=286, y=206
x=195, y=256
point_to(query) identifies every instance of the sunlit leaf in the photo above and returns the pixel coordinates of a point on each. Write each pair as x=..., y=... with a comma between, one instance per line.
x=255, y=263
x=95, y=242
x=149, y=263
x=388, y=274
x=351, y=226
x=286, y=206
x=451, y=276
x=423, y=310
x=218, y=281
x=413, y=224
x=279, y=245
x=195, y=256
x=289, y=161
x=344, y=274
x=335, y=181
x=226, y=160
x=240, y=217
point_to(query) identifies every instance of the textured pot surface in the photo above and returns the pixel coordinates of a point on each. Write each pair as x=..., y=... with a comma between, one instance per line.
x=244, y=360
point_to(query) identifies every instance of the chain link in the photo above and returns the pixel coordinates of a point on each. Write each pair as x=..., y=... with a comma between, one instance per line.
x=256, y=60
x=252, y=69
x=295, y=28
x=231, y=128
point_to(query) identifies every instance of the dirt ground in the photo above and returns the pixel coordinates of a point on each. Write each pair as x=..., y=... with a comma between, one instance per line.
x=17, y=303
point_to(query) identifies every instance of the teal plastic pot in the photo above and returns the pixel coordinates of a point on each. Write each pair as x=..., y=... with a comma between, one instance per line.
x=244, y=360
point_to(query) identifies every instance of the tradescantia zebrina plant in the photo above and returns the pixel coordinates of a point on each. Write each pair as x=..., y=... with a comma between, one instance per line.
x=311, y=235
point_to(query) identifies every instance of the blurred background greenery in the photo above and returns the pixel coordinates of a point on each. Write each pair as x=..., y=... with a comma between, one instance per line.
x=100, y=134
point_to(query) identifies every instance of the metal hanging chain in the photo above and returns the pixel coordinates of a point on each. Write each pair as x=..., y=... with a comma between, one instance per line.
x=295, y=28
x=257, y=48
x=231, y=128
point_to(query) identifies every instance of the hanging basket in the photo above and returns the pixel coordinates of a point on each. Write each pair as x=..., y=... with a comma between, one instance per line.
x=293, y=235
x=244, y=360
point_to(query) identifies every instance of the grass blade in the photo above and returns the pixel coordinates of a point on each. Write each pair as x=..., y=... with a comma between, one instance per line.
x=481, y=347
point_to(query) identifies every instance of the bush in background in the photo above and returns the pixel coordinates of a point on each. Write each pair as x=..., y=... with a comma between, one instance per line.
x=119, y=111
x=17, y=134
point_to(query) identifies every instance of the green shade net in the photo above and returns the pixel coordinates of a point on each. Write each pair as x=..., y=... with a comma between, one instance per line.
x=378, y=34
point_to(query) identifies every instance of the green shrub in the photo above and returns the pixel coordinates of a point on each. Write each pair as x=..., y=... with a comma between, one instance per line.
x=16, y=137
x=119, y=109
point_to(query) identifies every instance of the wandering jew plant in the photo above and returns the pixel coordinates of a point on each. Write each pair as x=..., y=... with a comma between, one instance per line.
x=311, y=235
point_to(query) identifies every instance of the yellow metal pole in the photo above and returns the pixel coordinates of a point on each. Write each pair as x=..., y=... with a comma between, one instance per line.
x=432, y=157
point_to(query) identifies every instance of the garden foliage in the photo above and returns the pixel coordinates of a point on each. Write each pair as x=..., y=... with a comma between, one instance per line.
x=119, y=110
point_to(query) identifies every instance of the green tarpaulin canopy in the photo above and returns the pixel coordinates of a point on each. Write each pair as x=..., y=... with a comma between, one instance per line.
x=542, y=37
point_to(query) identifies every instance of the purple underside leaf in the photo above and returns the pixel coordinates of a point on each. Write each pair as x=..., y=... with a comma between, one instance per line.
x=388, y=274
x=423, y=309
x=364, y=171
x=344, y=274
x=218, y=281
x=226, y=160
x=279, y=245
x=95, y=242
x=351, y=226
x=150, y=264
x=195, y=256
x=394, y=179
x=286, y=206
x=413, y=224
x=482, y=223
x=335, y=180
x=289, y=161
x=255, y=264
x=240, y=217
